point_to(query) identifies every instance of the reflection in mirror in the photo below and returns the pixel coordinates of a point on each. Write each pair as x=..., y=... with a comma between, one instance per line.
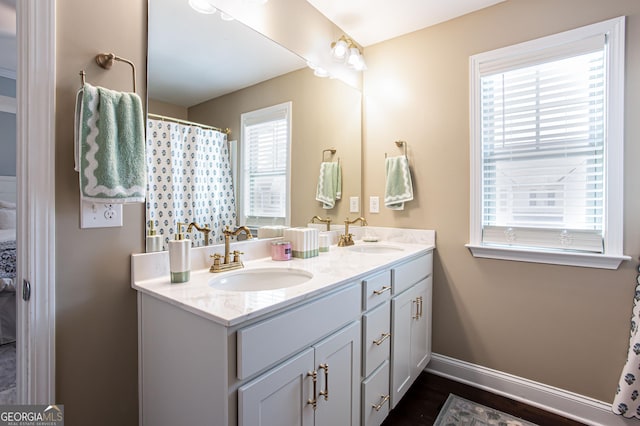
x=209, y=71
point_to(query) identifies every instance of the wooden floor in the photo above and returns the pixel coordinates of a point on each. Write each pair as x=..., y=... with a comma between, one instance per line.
x=422, y=403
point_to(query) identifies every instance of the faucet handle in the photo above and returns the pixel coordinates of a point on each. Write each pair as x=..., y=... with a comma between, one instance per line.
x=236, y=255
x=216, y=258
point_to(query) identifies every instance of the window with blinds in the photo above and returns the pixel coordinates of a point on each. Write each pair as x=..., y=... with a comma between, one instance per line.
x=546, y=130
x=543, y=153
x=265, y=142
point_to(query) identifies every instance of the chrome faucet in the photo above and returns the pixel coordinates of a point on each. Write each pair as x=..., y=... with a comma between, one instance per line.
x=204, y=229
x=319, y=219
x=227, y=263
x=347, y=238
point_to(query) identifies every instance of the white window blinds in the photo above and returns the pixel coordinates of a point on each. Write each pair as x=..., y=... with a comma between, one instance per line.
x=543, y=148
x=265, y=143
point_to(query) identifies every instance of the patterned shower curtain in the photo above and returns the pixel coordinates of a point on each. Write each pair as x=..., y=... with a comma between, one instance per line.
x=627, y=399
x=190, y=180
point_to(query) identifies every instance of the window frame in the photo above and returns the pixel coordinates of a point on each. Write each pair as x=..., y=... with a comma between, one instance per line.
x=614, y=31
x=252, y=115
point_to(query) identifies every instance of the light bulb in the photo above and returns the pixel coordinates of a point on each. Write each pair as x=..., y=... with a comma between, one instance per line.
x=339, y=49
x=202, y=6
x=354, y=55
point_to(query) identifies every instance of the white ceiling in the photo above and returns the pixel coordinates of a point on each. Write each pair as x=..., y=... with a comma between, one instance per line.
x=372, y=21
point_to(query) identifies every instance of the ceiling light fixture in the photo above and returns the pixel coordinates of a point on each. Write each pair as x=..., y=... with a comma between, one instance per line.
x=345, y=49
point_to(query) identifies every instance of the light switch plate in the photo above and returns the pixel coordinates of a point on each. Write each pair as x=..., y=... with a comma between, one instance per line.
x=354, y=204
x=99, y=215
x=374, y=204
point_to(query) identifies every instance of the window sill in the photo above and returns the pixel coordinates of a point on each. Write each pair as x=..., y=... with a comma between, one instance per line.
x=586, y=260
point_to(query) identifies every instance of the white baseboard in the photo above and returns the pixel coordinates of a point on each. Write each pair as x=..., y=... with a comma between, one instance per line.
x=564, y=403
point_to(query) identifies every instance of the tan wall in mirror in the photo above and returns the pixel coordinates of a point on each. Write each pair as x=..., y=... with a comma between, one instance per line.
x=326, y=113
x=96, y=320
x=563, y=326
x=167, y=109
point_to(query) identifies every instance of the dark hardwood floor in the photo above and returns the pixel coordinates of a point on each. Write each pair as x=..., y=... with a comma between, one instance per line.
x=422, y=403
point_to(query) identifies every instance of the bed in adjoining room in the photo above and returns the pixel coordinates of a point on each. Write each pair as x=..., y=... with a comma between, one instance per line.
x=7, y=259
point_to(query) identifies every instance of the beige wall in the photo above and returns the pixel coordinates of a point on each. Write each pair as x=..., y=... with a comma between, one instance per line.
x=326, y=113
x=563, y=326
x=167, y=109
x=96, y=322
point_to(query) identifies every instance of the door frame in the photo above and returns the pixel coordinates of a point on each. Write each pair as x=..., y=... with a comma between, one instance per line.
x=35, y=172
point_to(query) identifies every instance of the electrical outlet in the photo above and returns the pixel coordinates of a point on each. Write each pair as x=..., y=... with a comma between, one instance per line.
x=354, y=204
x=99, y=215
x=374, y=204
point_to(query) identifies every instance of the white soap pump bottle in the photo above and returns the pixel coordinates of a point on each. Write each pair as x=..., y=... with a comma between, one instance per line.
x=180, y=257
x=154, y=241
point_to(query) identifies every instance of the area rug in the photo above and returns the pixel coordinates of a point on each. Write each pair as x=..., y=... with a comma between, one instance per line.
x=458, y=411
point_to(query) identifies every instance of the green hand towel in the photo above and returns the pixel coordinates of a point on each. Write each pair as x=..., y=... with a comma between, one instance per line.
x=329, y=184
x=398, y=189
x=111, y=152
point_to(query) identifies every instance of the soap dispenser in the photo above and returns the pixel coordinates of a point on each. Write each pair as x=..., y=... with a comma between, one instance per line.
x=154, y=241
x=180, y=257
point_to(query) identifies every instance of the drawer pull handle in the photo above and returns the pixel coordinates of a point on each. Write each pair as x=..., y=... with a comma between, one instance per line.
x=416, y=301
x=382, y=290
x=377, y=407
x=382, y=338
x=420, y=305
x=325, y=392
x=313, y=401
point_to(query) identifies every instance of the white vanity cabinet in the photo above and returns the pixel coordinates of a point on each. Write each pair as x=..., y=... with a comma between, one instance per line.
x=396, y=334
x=344, y=355
x=411, y=308
x=317, y=387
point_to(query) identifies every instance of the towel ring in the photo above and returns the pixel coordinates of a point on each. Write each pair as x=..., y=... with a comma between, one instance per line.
x=331, y=150
x=105, y=60
x=400, y=144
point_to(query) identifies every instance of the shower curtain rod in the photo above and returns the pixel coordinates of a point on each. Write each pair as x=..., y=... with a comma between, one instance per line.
x=191, y=123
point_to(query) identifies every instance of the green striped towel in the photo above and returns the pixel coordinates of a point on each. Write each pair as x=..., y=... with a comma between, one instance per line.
x=329, y=184
x=399, y=188
x=110, y=143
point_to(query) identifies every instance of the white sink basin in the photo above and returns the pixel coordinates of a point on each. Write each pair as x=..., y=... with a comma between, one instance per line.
x=260, y=279
x=374, y=249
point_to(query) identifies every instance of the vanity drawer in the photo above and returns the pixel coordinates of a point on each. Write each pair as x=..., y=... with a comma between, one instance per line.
x=376, y=289
x=375, y=396
x=267, y=342
x=376, y=332
x=406, y=275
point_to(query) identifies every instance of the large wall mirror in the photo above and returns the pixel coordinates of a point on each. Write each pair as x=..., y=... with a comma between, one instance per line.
x=207, y=69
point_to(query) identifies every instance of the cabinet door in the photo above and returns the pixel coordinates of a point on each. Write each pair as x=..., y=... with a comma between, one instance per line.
x=403, y=312
x=338, y=366
x=420, y=348
x=410, y=337
x=279, y=397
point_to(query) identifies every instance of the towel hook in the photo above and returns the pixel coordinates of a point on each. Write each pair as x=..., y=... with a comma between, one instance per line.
x=400, y=144
x=331, y=150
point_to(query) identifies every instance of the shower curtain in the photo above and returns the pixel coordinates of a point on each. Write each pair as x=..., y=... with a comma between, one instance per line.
x=627, y=399
x=189, y=180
